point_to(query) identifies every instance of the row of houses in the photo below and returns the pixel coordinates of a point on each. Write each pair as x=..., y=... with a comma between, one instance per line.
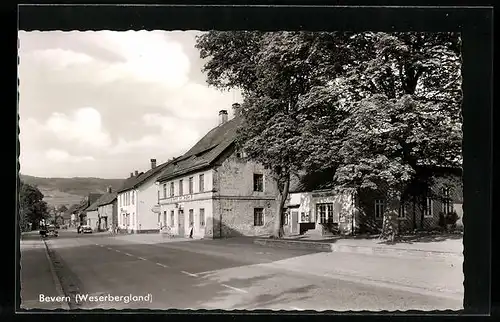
x=214, y=191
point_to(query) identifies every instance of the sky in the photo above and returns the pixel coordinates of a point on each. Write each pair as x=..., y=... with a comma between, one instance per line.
x=102, y=104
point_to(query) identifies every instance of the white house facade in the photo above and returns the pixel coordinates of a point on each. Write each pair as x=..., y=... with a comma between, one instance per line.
x=187, y=201
x=137, y=202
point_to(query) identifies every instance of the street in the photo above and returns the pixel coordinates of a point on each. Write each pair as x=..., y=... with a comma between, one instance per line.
x=223, y=274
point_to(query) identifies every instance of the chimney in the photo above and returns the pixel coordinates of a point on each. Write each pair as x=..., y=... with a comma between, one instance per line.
x=222, y=116
x=131, y=174
x=136, y=173
x=109, y=189
x=153, y=163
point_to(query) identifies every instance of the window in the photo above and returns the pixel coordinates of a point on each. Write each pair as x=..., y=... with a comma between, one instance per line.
x=164, y=218
x=401, y=210
x=446, y=206
x=325, y=212
x=172, y=218
x=191, y=216
x=133, y=197
x=171, y=189
x=258, y=182
x=379, y=208
x=258, y=217
x=164, y=190
x=202, y=183
x=428, y=208
x=286, y=219
x=180, y=188
x=190, y=185
x=202, y=217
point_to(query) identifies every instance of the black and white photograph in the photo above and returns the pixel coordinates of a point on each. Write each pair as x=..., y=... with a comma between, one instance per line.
x=241, y=170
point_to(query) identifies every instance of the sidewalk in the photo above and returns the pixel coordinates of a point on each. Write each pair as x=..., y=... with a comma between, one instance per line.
x=37, y=275
x=443, y=247
x=435, y=275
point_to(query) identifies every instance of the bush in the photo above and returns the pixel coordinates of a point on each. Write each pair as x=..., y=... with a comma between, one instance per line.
x=451, y=218
x=442, y=220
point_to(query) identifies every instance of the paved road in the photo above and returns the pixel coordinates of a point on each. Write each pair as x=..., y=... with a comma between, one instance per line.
x=219, y=274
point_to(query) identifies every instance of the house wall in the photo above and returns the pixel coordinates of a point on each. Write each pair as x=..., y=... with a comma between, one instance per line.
x=92, y=219
x=413, y=211
x=195, y=201
x=129, y=209
x=343, y=209
x=108, y=211
x=235, y=199
x=147, y=197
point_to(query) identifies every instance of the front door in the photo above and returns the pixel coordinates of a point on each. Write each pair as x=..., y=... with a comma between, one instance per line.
x=181, y=223
x=295, y=222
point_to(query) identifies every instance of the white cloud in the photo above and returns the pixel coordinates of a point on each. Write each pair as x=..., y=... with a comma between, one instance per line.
x=60, y=58
x=61, y=156
x=144, y=90
x=148, y=57
x=175, y=136
x=85, y=127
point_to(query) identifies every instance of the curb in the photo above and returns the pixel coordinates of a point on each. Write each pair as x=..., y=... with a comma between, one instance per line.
x=57, y=283
x=331, y=247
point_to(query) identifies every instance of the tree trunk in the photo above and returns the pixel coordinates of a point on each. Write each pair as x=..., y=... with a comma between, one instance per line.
x=390, y=220
x=280, y=204
x=414, y=214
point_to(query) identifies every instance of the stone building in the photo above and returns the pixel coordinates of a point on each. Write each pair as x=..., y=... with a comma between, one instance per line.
x=215, y=191
x=315, y=205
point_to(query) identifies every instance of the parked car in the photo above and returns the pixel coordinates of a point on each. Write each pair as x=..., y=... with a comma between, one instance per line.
x=85, y=229
x=52, y=230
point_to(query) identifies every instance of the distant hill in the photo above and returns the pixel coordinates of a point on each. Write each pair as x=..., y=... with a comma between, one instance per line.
x=68, y=191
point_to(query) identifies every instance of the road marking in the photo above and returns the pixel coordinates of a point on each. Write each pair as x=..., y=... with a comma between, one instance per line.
x=190, y=274
x=118, y=251
x=234, y=288
x=141, y=258
x=207, y=272
x=162, y=265
x=109, y=248
x=128, y=254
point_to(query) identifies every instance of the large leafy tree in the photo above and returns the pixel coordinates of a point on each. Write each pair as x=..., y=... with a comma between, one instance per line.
x=404, y=103
x=273, y=70
x=371, y=106
x=32, y=208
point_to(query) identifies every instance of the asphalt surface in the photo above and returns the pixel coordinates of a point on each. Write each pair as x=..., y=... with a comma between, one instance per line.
x=210, y=274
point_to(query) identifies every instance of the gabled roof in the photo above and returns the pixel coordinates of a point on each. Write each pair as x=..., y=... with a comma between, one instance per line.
x=321, y=180
x=136, y=181
x=129, y=183
x=93, y=206
x=107, y=199
x=205, y=152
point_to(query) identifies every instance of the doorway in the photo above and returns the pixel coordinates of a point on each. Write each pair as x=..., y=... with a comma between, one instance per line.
x=181, y=231
x=295, y=222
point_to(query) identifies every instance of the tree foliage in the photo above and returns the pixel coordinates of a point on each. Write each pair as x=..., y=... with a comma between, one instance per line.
x=372, y=106
x=32, y=208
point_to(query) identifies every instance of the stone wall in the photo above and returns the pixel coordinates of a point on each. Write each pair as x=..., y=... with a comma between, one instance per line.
x=235, y=201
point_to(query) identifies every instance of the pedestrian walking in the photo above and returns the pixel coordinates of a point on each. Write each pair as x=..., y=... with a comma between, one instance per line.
x=191, y=232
